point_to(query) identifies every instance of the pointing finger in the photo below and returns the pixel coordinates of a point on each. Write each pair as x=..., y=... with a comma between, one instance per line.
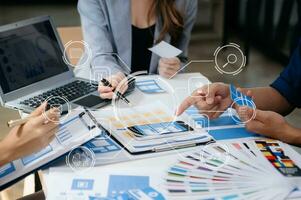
x=189, y=101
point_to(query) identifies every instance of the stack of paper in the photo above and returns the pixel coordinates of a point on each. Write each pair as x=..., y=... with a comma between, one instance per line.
x=255, y=169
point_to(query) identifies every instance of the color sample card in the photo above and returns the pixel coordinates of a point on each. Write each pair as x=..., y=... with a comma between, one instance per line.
x=241, y=99
x=233, y=170
x=149, y=86
x=276, y=156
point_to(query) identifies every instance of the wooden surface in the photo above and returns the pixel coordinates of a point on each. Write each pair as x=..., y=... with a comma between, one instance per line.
x=74, y=35
x=26, y=187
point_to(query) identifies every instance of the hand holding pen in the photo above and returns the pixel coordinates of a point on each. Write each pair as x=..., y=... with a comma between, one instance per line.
x=30, y=134
x=107, y=87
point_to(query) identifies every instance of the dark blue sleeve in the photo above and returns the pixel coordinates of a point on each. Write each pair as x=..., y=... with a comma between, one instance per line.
x=288, y=84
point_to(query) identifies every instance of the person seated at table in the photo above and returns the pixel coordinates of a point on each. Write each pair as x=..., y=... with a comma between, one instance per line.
x=272, y=103
x=128, y=28
x=30, y=137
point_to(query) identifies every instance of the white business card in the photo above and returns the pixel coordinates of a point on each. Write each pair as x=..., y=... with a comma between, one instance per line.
x=165, y=50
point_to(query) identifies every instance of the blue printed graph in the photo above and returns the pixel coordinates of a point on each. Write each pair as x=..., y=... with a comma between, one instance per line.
x=102, y=145
x=119, y=184
x=31, y=158
x=7, y=169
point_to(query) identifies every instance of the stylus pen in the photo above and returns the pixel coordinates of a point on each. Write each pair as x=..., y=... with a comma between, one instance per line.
x=105, y=82
x=17, y=122
x=13, y=123
x=95, y=121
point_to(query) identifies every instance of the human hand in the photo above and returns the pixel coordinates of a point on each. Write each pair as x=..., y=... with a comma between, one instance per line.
x=269, y=124
x=168, y=67
x=115, y=80
x=32, y=136
x=210, y=100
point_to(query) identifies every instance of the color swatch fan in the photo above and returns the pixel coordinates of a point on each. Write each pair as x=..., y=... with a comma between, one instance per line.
x=254, y=169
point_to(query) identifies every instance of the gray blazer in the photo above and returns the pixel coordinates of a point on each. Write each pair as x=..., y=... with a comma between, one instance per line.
x=107, y=29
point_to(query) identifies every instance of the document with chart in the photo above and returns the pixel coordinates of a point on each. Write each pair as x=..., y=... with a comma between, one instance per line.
x=75, y=130
x=150, y=128
x=105, y=184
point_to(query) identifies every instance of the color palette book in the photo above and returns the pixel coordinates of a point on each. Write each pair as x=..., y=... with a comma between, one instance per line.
x=251, y=169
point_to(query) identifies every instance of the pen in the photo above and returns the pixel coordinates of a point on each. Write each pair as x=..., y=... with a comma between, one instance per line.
x=17, y=122
x=105, y=82
x=99, y=126
x=13, y=123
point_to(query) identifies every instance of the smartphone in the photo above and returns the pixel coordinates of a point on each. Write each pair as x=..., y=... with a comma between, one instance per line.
x=160, y=128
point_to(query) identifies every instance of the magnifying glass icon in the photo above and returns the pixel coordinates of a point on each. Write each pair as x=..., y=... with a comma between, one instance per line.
x=231, y=59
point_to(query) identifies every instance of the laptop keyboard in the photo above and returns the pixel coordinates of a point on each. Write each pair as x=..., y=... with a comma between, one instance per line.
x=70, y=92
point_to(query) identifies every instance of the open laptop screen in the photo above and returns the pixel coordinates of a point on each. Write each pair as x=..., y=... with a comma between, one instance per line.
x=29, y=54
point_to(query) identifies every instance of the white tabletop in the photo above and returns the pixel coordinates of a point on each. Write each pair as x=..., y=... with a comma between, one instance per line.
x=179, y=87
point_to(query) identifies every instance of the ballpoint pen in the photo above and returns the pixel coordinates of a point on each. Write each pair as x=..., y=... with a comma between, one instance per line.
x=105, y=82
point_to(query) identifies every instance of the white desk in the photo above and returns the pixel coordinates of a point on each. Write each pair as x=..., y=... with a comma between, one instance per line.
x=177, y=90
x=160, y=162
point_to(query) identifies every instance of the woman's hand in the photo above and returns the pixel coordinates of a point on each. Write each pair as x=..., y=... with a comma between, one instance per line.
x=115, y=80
x=210, y=100
x=168, y=67
x=30, y=137
x=269, y=124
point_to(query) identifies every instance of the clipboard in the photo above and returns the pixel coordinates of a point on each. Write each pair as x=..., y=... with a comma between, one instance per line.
x=24, y=166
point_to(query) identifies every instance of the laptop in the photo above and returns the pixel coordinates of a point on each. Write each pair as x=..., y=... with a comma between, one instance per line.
x=32, y=69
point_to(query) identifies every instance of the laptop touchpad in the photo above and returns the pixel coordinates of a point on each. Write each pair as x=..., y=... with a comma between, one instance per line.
x=92, y=101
